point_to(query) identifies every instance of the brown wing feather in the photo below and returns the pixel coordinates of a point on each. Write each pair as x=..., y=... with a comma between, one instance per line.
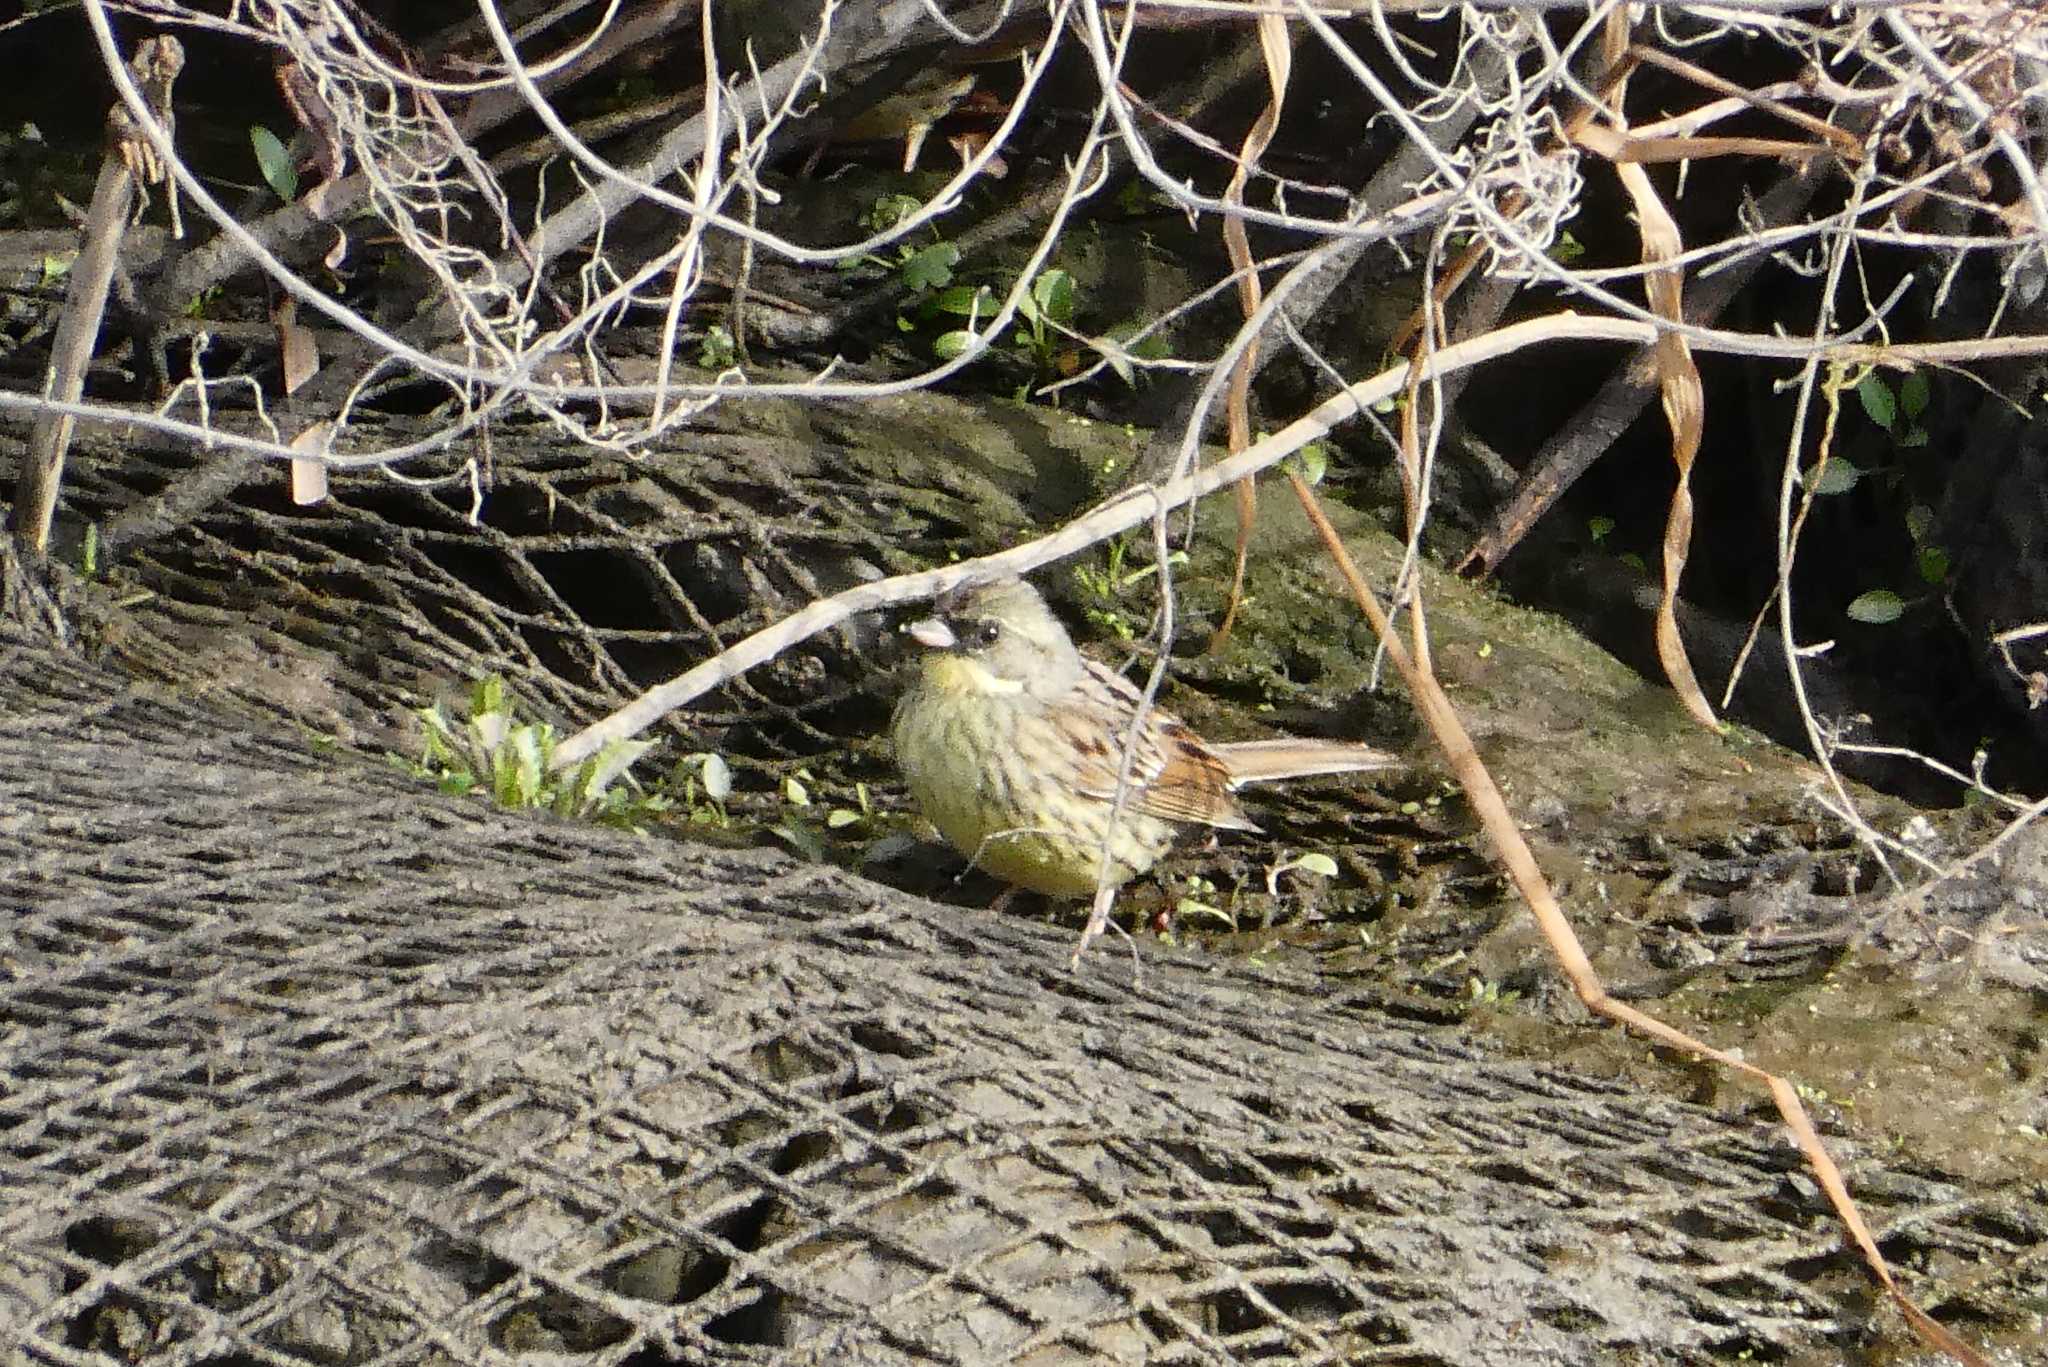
x=1174, y=776
x=1285, y=757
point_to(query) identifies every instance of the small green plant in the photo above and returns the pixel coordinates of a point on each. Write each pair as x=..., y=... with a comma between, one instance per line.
x=1486, y=992
x=795, y=827
x=1103, y=586
x=1879, y=607
x=1815, y=1096
x=1127, y=343
x=840, y=817
x=1897, y=413
x=718, y=350
x=1200, y=898
x=1445, y=791
x=1311, y=462
x=707, y=775
x=1042, y=333
x=800, y=825
x=200, y=305
x=1929, y=559
x=1042, y=318
x=509, y=760
x=1315, y=862
x=922, y=269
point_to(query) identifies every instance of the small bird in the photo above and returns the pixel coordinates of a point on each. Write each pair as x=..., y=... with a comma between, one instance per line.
x=1012, y=740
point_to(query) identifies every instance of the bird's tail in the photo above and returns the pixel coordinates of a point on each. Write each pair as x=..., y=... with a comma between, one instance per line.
x=1267, y=761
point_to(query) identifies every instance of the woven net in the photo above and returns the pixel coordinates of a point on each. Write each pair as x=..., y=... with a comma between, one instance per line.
x=305, y=1063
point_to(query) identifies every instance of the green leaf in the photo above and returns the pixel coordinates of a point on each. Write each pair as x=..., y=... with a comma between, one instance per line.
x=1192, y=907
x=1838, y=476
x=888, y=211
x=1915, y=436
x=1118, y=358
x=521, y=769
x=1877, y=400
x=794, y=791
x=1599, y=528
x=1914, y=394
x=601, y=770
x=931, y=268
x=717, y=778
x=804, y=840
x=1919, y=522
x=487, y=695
x=1318, y=864
x=1312, y=461
x=840, y=816
x=274, y=160
x=1932, y=562
x=490, y=730
x=951, y=344
x=1053, y=291
x=966, y=301
x=1153, y=346
x=1877, y=607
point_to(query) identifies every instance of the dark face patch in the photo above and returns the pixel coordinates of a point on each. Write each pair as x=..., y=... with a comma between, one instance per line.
x=975, y=633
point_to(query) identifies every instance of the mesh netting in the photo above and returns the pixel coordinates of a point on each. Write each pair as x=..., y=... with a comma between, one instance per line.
x=580, y=579
x=306, y=1063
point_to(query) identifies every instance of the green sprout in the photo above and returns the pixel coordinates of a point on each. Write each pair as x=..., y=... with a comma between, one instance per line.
x=492, y=751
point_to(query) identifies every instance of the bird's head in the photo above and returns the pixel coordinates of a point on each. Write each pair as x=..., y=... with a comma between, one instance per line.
x=998, y=638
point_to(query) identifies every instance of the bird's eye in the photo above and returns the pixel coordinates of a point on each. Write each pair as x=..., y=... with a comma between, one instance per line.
x=983, y=633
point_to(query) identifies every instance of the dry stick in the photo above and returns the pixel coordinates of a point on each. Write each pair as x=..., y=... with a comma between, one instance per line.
x=1845, y=142
x=1276, y=48
x=1520, y=863
x=1127, y=511
x=1275, y=45
x=1588, y=433
x=156, y=64
x=1118, y=515
x=1685, y=397
x=1389, y=188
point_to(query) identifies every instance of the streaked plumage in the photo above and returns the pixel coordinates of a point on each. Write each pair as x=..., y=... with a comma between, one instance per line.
x=1011, y=742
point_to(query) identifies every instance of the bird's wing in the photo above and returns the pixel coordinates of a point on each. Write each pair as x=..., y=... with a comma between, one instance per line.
x=1174, y=776
x=1285, y=757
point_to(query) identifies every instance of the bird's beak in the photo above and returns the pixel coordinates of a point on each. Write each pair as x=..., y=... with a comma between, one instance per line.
x=932, y=633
